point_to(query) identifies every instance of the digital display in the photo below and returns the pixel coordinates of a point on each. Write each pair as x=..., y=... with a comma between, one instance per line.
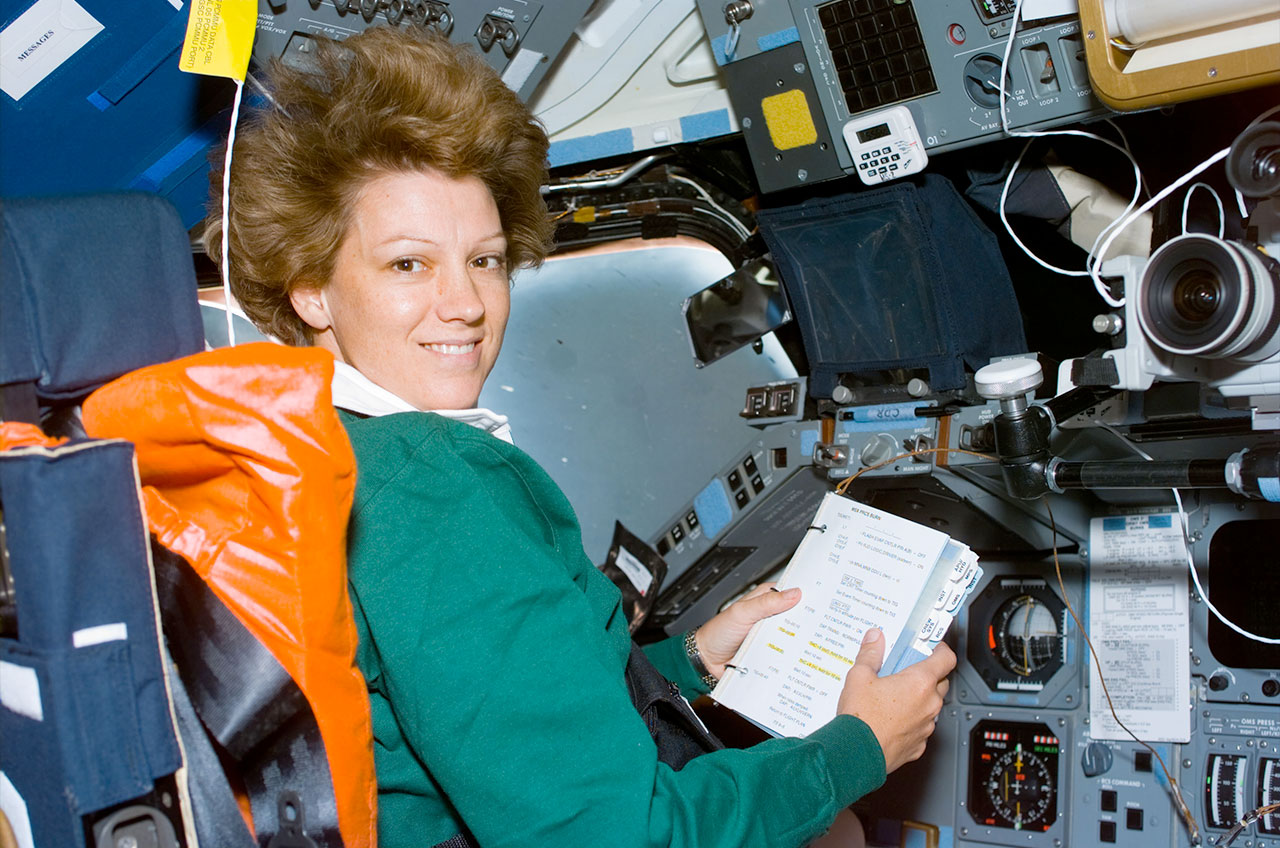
x=872, y=133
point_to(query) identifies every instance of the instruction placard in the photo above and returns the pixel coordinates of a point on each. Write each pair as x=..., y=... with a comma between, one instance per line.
x=1140, y=627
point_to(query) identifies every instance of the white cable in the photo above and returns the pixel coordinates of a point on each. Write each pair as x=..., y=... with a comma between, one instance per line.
x=226, y=214
x=1186, y=204
x=1033, y=134
x=1195, y=577
x=734, y=222
x=1184, y=523
x=1244, y=210
x=1165, y=192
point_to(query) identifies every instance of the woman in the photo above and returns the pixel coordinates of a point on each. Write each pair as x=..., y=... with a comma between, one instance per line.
x=378, y=209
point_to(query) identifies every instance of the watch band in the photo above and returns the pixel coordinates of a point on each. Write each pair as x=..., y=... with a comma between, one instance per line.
x=695, y=659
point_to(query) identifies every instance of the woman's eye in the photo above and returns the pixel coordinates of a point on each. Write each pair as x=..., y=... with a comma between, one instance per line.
x=490, y=263
x=408, y=265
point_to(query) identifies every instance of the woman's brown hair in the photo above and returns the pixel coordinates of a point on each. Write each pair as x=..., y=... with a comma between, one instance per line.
x=383, y=101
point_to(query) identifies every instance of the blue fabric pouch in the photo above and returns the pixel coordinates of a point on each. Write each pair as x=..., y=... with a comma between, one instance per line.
x=84, y=712
x=905, y=276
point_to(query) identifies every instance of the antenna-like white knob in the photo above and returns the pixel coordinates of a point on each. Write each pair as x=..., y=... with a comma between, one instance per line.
x=1008, y=378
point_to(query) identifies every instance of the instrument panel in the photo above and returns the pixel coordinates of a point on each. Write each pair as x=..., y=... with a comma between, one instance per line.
x=518, y=38
x=820, y=65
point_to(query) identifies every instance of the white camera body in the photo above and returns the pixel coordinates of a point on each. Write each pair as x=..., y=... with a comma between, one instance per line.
x=1202, y=310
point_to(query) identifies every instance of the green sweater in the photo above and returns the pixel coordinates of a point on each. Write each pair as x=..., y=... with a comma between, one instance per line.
x=494, y=653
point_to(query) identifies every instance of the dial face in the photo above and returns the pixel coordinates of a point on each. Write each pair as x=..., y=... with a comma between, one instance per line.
x=1269, y=793
x=1013, y=775
x=1025, y=634
x=1224, y=789
x=1020, y=787
x=1016, y=634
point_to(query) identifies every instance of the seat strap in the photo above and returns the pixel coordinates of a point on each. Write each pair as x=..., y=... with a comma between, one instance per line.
x=252, y=708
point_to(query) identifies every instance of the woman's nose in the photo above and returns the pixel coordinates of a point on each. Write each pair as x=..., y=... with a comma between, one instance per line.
x=459, y=298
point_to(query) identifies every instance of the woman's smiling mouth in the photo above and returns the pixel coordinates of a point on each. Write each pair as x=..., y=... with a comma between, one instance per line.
x=451, y=349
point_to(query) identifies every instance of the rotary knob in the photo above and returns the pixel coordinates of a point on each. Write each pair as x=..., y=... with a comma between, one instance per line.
x=1008, y=378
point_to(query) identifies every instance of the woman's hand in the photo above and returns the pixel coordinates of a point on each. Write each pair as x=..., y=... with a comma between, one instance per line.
x=900, y=709
x=718, y=640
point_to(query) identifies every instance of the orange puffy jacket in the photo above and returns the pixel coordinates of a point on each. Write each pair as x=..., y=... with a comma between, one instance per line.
x=248, y=474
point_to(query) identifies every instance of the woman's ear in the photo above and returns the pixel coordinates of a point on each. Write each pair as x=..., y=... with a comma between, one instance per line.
x=309, y=302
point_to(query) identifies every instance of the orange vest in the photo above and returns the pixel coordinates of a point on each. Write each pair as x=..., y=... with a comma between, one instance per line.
x=248, y=474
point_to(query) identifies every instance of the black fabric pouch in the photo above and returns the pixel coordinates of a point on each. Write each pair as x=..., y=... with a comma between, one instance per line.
x=677, y=731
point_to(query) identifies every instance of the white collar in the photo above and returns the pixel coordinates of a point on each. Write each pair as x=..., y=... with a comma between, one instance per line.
x=355, y=392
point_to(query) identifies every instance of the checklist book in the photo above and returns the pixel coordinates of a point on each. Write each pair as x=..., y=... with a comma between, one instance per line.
x=857, y=568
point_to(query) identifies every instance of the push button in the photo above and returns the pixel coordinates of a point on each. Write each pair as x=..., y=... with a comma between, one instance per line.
x=1133, y=818
x=1107, y=831
x=735, y=480
x=1108, y=800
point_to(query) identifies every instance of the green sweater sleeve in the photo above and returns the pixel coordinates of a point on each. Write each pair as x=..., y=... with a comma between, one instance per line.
x=491, y=639
x=668, y=657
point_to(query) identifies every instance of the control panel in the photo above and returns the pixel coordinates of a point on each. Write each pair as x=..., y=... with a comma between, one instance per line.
x=518, y=38
x=822, y=65
x=742, y=524
x=1020, y=756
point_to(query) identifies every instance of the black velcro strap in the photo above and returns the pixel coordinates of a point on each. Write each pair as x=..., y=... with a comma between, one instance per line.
x=1094, y=371
x=250, y=705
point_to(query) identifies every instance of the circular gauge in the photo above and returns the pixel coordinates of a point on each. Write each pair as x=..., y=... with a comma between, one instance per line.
x=1020, y=787
x=1026, y=635
x=1013, y=775
x=1016, y=633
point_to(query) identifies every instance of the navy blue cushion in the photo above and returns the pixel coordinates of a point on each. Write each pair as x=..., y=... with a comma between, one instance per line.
x=91, y=288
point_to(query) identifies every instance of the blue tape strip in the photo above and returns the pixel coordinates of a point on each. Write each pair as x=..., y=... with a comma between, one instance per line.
x=590, y=147
x=1155, y=521
x=705, y=125
x=717, y=47
x=808, y=439
x=714, y=511
x=1113, y=524
x=1270, y=488
x=883, y=416
x=781, y=38
x=181, y=153
x=99, y=102
x=150, y=56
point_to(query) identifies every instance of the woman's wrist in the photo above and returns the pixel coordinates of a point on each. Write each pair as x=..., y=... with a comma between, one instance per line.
x=695, y=659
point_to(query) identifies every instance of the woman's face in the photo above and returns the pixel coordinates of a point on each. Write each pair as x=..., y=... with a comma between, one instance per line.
x=419, y=297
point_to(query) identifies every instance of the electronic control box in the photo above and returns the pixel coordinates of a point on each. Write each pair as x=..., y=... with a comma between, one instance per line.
x=519, y=38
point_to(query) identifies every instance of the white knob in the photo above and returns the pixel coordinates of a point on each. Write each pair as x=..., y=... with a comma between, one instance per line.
x=1008, y=378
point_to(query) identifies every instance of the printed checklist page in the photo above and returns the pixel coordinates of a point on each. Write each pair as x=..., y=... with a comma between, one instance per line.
x=857, y=568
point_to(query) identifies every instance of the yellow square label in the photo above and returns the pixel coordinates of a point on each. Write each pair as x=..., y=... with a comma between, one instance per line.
x=219, y=38
x=789, y=120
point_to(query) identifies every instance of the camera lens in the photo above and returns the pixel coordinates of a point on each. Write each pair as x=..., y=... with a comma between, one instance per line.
x=1196, y=294
x=1201, y=295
